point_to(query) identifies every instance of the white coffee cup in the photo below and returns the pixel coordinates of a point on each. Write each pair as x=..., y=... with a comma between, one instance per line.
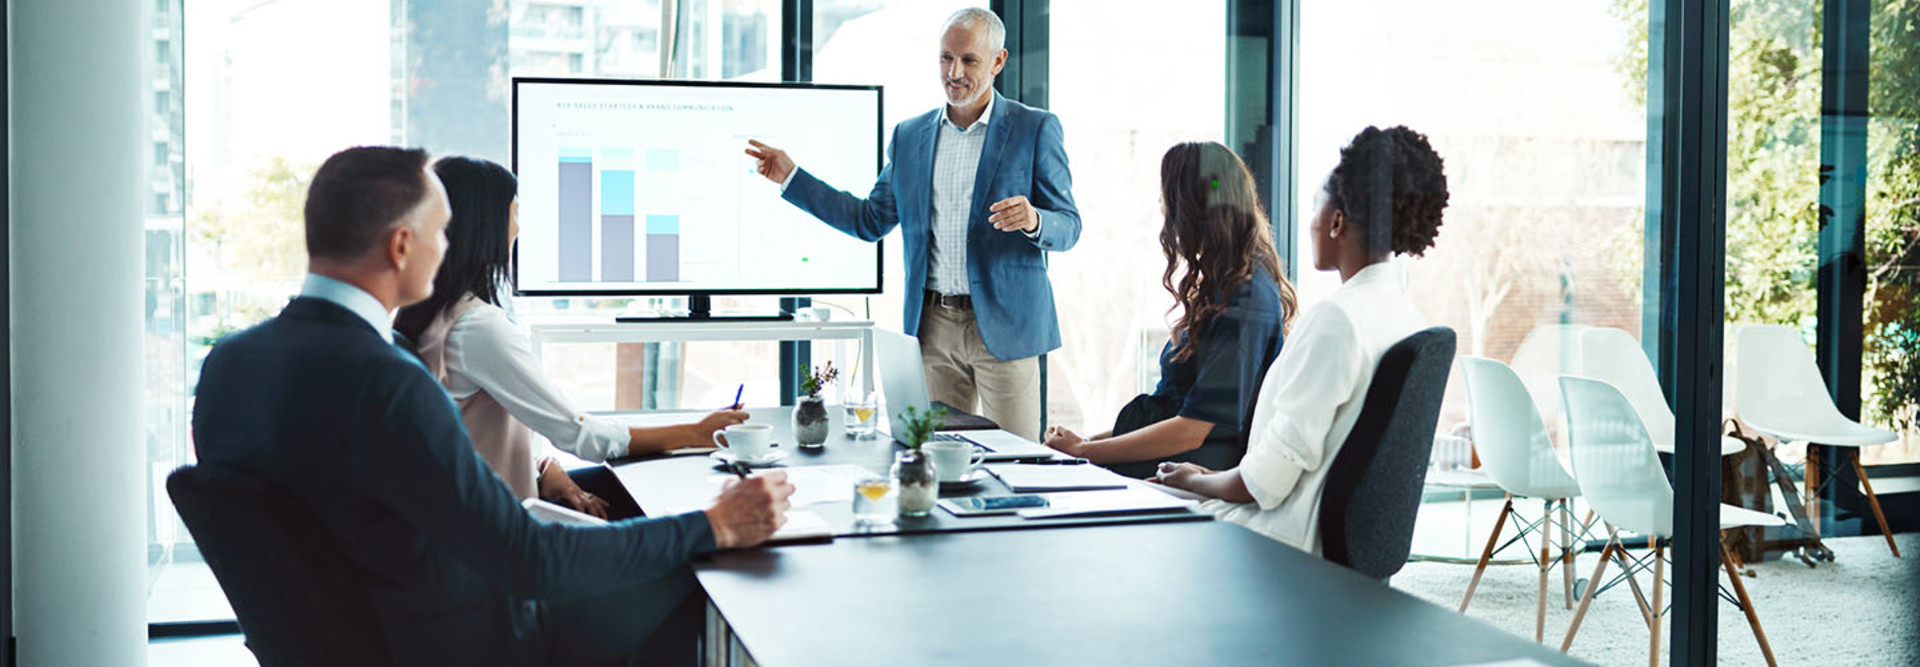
x=953, y=461
x=748, y=442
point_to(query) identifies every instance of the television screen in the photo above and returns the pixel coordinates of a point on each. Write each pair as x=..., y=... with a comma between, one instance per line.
x=645, y=187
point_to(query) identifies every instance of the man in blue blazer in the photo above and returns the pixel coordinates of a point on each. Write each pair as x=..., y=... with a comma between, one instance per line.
x=981, y=191
x=323, y=403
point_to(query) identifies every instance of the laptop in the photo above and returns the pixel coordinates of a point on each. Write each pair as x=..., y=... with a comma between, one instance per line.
x=903, y=381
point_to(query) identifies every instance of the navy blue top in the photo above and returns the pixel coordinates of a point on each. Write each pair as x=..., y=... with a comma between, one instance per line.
x=318, y=403
x=1220, y=381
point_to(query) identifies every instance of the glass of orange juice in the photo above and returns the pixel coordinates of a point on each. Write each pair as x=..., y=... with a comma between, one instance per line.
x=873, y=500
x=863, y=412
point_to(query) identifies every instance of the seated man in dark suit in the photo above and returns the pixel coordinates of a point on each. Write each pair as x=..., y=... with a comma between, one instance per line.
x=321, y=402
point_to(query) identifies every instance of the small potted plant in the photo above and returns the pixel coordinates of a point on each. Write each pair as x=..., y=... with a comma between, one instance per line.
x=809, y=410
x=913, y=472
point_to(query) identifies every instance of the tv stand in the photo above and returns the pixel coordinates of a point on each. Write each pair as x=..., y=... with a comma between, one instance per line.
x=700, y=309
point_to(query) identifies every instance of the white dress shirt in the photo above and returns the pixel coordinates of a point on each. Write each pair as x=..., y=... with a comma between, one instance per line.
x=352, y=298
x=487, y=351
x=1310, y=399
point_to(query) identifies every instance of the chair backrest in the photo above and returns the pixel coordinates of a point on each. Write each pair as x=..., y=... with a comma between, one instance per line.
x=1780, y=388
x=1614, y=357
x=1514, y=448
x=297, y=597
x=1620, y=475
x=1546, y=353
x=1373, y=488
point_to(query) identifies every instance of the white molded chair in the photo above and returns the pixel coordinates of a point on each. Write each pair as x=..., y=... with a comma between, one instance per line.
x=1622, y=479
x=1781, y=394
x=1516, y=453
x=1546, y=353
x=1614, y=357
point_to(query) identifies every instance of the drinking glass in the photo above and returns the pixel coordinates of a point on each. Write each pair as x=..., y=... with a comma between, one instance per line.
x=873, y=500
x=863, y=413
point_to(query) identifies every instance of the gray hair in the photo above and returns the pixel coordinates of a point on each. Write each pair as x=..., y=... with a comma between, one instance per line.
x=975, y=17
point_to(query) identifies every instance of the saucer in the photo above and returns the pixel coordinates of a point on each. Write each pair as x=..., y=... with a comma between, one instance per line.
x=971, y=479
x=771, y=457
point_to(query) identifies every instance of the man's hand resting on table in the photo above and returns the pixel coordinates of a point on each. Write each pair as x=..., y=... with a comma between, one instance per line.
x=749, y=510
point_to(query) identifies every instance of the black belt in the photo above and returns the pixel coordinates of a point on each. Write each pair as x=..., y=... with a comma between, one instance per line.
x=954, y=301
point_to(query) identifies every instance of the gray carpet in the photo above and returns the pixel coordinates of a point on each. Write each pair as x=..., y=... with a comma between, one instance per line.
x=1862, y=609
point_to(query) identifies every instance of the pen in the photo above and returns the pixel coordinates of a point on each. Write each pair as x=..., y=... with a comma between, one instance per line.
x=736, y=397
x=1066, y=461
x=739, y=469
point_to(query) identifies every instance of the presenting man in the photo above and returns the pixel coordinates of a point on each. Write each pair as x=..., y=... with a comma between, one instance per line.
x=321, y=402
x=981, y=191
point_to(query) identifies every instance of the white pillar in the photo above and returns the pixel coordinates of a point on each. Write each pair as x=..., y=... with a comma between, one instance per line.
x=78, y=115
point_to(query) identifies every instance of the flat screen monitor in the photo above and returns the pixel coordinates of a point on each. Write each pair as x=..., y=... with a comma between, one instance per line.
x=645, y=187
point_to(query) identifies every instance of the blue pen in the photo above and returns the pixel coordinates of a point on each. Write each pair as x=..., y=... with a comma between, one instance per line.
x=736, y=397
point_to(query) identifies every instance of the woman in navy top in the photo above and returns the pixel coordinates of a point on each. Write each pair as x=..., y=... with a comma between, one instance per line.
x=1234, y=307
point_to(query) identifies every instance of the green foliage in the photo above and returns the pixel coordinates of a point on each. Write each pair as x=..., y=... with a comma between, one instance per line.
x=919, y=426
x=263, y=235
x=817, y=379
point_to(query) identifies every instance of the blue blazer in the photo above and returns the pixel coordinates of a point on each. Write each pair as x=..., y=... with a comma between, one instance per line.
x=316, y=402
x=1007, y=272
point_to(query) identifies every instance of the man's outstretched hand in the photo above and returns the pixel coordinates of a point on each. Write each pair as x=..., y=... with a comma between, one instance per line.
x=773, y=162
x=749, y=510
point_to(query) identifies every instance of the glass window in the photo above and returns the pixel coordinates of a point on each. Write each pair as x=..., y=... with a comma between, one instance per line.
x=1119, y=121
x=1890, y=371
x=263, y=114
x=1542, y=126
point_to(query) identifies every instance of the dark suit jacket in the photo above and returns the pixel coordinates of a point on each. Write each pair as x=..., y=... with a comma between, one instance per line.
x=318, y=403
x=1025, y=155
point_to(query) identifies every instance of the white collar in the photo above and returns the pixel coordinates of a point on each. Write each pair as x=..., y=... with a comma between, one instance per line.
x=354, y=299
x=986, y=115
x=1380, y=272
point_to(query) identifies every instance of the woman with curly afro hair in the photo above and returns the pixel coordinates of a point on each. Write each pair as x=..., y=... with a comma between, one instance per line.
x=1384, y=199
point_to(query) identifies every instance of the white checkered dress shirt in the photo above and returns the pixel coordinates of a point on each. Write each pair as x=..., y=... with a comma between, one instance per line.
x=956, y=159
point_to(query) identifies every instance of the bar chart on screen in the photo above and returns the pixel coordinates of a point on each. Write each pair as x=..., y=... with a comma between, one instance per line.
x=652, y=191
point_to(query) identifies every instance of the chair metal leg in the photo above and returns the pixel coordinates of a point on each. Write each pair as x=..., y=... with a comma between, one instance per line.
x=1746, y=605
x=1633, y=582
x=1659, y=574
x=1546, y=567
x=1874, y=501
x=1487, y=554
x=1593, y=584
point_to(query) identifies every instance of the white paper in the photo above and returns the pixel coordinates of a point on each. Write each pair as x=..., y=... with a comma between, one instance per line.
x=1025, y=478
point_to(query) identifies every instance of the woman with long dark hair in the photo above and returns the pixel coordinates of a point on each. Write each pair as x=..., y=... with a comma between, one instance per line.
x=471, y=344
x=1234, y=304
x=1383, y=199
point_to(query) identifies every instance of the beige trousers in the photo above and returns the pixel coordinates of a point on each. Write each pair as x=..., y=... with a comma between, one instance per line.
x=962, y=373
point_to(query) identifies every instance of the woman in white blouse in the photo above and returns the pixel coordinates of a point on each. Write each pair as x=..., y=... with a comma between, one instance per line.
x=486, y=362
x=1384, y=198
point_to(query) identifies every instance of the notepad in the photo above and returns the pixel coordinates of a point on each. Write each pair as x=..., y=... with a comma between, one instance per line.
x=1121, y=501
x=1024, y=478
x=801, y=525
x=552, y=513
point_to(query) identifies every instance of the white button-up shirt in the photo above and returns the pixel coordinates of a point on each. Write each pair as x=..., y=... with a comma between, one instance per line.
x=956, y=161
x=1310, y=399
x=487, y=351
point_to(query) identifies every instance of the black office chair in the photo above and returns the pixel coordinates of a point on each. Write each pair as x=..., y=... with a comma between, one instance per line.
x=1373, y=489
x=297, y=597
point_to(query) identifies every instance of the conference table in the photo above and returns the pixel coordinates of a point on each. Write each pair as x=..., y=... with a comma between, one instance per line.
x=1157, y=589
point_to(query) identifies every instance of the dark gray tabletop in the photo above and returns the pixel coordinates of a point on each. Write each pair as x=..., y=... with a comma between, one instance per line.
x=676, y=483
x=1154, y=594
